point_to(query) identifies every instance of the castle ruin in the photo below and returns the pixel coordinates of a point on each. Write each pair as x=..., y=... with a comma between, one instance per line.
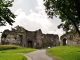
x=31, y=39
x=70, y=39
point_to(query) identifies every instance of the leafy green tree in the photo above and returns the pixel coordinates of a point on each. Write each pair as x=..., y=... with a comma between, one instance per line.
x=6, y=16
x=68, y=11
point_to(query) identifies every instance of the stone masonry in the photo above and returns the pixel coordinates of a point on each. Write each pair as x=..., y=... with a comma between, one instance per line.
x=70, y=39
x=31, y=39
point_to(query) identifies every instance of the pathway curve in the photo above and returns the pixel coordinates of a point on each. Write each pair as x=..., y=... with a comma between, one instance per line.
x=38, y=55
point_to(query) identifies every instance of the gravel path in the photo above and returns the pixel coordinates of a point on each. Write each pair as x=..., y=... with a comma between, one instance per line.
x=38, y=55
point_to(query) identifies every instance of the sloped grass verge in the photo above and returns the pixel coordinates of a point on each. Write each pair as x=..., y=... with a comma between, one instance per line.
x=10, y=52
x=65, y=52
x=12, y=56
x=7, y=47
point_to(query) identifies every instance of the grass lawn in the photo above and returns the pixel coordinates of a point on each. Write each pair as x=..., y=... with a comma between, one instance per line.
x=65, y=52
x=10, y=52
x=12, y=56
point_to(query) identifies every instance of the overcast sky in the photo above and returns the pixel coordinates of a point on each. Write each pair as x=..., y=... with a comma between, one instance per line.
x=31, y=15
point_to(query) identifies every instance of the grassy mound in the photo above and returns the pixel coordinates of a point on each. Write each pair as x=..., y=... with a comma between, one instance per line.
x=65, y=52
x=9, y=52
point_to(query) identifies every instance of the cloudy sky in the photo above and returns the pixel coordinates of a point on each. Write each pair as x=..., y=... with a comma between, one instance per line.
x=31, y=15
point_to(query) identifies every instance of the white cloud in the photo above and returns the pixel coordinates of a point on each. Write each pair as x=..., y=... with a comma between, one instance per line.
x=36, y=20
x=20, y=1
x=57, y=31
x=32, y=21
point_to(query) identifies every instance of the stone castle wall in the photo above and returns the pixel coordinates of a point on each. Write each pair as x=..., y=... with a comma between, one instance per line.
x=70, y=39
x=31, y=39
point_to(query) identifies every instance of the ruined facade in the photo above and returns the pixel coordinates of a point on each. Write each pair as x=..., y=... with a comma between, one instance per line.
x=31, y=39
x=70, y=39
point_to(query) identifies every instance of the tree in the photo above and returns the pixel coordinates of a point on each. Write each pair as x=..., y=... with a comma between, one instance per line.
x=68, y=11
x=6, y=16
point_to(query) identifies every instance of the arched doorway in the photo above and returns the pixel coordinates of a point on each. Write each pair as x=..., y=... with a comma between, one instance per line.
x=64, y=41
x=30, y=44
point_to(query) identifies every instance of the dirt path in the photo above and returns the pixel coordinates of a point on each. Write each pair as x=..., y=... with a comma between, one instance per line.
x=38, y=55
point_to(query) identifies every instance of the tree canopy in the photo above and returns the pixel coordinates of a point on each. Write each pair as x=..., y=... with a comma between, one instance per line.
x=68, y=11
x=6, y=16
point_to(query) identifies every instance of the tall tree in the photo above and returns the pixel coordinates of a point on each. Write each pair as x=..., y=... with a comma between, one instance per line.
x=68, y=11
x=6, y=16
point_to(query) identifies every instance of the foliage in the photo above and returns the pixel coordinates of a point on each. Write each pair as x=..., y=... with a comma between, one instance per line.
x=68, y=11
x=6, y=16
x=65, y=52
x=44, y=43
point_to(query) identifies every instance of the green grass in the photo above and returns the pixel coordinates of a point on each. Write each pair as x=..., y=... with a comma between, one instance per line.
x=12, y=56
x=10, y=52
x=65, y=52
x=14, y=49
